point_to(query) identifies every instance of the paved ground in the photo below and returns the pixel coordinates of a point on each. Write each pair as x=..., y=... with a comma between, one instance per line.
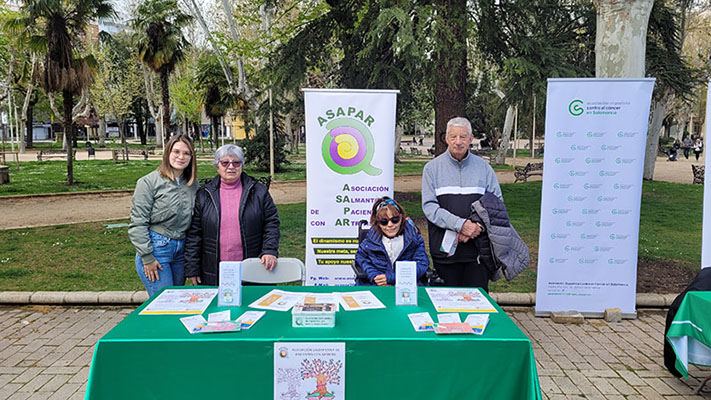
x=45, y=353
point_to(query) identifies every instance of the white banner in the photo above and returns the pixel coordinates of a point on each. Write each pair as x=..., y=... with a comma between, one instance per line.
x=350, y=137
x=596, y=131
x=706, y=231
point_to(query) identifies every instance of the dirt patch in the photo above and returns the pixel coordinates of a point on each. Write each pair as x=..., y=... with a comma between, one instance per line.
x=666, y=276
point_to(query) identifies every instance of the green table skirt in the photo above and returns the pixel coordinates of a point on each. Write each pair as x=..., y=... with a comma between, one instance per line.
x=154, y=357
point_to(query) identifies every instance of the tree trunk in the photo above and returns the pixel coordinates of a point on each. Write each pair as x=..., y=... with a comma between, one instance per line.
x=289, y=132
x=30, y=123
x=451, y=61
x=122, y=135
x=508, y=125
x=659, y=110
x=165, y=98
x=621, y=37
x=213, y=131
x=399, y=131
x=102, y=132
x=68, y=98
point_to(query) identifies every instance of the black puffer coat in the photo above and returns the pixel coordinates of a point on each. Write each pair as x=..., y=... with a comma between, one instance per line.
x=500, y=247
x=258, y=221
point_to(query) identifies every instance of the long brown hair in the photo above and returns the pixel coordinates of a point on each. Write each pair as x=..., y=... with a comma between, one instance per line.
x=165, y=168
x=380, y=210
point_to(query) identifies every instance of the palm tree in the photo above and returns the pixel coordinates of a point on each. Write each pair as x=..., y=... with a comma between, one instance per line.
x=216, y=96
x=64, y=29
x=157, y=26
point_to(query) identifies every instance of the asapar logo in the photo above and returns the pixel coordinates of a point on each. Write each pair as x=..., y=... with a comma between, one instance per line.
x=575, y=107
x=348, y=147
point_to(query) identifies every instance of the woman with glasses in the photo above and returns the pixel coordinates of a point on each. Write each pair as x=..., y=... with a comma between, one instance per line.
x=392, y=237
x=234, y=218
x=160, y=215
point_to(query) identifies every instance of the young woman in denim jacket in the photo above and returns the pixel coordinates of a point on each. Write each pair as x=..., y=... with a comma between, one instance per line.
x=392, y=237
x=160, y=214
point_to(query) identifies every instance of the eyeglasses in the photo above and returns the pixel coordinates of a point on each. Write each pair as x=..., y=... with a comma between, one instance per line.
x=227, y=163
x=394, y=220
x=178, y=153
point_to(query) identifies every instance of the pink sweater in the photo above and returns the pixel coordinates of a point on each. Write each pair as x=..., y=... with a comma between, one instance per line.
x=230, y=237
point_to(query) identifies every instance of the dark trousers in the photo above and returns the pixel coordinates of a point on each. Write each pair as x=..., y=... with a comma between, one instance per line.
x=687, y=151
x=465, y=274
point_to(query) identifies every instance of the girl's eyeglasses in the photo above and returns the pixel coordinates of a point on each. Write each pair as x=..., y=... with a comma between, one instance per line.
x=394, y=220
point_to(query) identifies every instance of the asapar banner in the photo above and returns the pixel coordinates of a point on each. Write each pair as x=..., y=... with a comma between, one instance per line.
x=596, y=131
x=350, y=137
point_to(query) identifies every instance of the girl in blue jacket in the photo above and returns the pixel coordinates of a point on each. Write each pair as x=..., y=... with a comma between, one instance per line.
x=392, y=237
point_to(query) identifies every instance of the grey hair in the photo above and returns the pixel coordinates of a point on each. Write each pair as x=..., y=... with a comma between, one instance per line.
x=459, y=121
x=229, y=150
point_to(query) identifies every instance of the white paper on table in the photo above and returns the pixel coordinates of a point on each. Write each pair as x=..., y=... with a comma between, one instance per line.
x=180, y=301
x=478, y=322
x=422, y=322
x=193, y=323
x=219, y=316
x=449, y=318
x=363, y=300
x=459, y=300
x=321, y=298
x=277, y=300
x=249, y=318
x=449, y=242
x=312, y=367
x=405, y=283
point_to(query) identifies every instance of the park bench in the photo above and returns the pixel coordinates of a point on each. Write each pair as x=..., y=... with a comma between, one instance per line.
x=14, y=154
x=483, y=153
x=698, y=171
x=415, y=150
x=115, y=154
x=530, y=169
x=46, y=154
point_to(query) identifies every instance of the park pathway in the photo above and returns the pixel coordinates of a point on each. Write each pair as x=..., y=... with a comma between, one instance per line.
x=32, y=211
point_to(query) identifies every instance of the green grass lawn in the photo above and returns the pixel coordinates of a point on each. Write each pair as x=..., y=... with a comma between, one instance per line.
x=36, y=177
x=91, y=256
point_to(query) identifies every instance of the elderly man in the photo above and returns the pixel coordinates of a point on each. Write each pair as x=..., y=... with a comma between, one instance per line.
x=450, y=184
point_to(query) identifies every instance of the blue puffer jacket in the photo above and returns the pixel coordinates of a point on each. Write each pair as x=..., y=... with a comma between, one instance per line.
x=373, y=258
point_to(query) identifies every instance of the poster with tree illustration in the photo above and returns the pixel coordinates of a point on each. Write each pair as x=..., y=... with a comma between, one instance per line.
x=309, y=371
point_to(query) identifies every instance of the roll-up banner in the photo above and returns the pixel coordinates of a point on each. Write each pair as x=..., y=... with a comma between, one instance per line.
x=350, y=136
x=706, y=232
x=596, y=131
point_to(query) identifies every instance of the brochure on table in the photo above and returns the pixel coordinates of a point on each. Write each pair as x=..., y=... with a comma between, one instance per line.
x=364, y=300
x=422, y=322
x=309, y=370
x=230, y=289
x=405, y=283
x=197, y=324
x=459, y=300
x=180, y=301
x=478, y=322
x=277, y=300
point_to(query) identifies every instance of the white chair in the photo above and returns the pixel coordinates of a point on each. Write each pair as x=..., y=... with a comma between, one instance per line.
x=286, y=270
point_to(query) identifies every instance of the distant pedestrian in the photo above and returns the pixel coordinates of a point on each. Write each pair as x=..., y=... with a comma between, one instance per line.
x=686, y=145
x=698, y=148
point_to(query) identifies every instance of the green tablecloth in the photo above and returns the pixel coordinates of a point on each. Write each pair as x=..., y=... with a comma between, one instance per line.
x=154, y=357
x=690, y=332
